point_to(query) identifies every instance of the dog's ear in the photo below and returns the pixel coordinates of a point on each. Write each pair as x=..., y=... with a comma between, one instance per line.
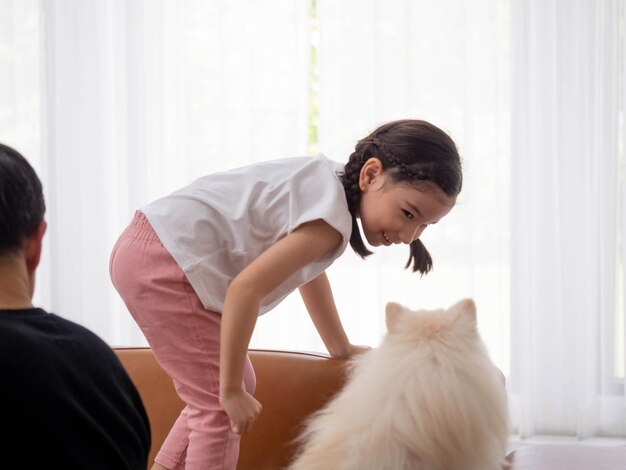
x=393, y=313
x=465, y=308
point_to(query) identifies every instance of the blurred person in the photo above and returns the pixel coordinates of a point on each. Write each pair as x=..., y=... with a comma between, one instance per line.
x=66, y=399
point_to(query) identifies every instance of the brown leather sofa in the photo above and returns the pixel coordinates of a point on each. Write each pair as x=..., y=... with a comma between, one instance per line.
x=290, y=386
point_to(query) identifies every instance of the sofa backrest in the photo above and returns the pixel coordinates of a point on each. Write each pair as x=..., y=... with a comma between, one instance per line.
x=290, y=386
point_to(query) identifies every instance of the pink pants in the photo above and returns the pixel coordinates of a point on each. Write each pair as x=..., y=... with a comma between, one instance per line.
x=185, y=339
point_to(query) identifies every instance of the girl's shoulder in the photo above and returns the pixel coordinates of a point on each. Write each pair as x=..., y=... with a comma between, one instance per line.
x=292, y=164
x=299, y=168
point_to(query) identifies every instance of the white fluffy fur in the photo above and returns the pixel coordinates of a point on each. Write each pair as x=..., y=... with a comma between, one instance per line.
x=428, y=398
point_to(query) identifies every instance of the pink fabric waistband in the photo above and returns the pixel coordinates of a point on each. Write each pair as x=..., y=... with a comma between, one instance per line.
x=140, y=228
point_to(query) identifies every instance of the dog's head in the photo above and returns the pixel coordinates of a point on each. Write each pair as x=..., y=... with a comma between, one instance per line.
x=459, y=319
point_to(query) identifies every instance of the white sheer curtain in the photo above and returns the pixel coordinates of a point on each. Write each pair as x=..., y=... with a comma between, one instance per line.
x=446, y=62
x=567, y=167
x=117, y=103
x=142, y=97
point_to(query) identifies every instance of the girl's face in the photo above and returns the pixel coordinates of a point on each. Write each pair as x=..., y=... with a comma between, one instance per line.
x=397, y=213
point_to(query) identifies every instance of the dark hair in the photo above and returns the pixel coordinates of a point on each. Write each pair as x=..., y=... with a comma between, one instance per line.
x=411, y=151
x=21, y=200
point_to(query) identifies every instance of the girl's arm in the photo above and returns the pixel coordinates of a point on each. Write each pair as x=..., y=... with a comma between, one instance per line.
x=304, y=245
x=318, y=299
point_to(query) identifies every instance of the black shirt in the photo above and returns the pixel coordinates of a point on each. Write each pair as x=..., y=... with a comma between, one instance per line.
x=65, y=398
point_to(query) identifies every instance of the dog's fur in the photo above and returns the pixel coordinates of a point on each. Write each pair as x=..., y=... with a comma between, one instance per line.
x=428, y=398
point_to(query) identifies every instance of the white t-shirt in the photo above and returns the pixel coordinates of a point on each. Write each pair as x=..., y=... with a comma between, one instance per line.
x=220, y=223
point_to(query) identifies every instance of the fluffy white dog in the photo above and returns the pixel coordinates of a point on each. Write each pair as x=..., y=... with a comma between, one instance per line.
x=428, y=398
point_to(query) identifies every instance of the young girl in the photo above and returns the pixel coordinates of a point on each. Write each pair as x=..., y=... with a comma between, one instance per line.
x=197, y=267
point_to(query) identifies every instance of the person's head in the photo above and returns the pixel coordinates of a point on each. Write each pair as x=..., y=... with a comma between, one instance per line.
x=22, y=208
x=401, y=178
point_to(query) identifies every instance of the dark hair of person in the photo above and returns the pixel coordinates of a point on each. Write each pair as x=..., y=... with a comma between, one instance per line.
x=22, y=205
x=411, y=151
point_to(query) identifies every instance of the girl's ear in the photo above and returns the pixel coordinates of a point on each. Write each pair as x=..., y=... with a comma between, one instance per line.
x=371, y=171
x=393, y=313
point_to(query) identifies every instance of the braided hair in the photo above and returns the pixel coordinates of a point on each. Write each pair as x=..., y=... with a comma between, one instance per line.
x=411, y=151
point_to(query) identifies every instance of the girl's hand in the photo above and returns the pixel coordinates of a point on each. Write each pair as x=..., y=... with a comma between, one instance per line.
x=351, y=351
x=242, y=408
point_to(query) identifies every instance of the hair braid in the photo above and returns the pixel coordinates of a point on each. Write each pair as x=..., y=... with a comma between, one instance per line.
x=422, y=261
x=350, y=180
x=415, y=171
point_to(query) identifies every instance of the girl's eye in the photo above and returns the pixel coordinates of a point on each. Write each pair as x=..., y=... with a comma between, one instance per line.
x=407, y=214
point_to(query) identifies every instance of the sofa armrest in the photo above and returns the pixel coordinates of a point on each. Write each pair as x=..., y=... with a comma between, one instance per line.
x=290, y=386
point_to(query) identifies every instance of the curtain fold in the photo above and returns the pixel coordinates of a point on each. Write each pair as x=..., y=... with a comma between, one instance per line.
x=140, y=99
x=565, y=219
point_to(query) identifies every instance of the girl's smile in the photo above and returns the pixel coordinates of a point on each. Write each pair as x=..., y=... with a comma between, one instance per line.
x=387, y=240
x=393, y=213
